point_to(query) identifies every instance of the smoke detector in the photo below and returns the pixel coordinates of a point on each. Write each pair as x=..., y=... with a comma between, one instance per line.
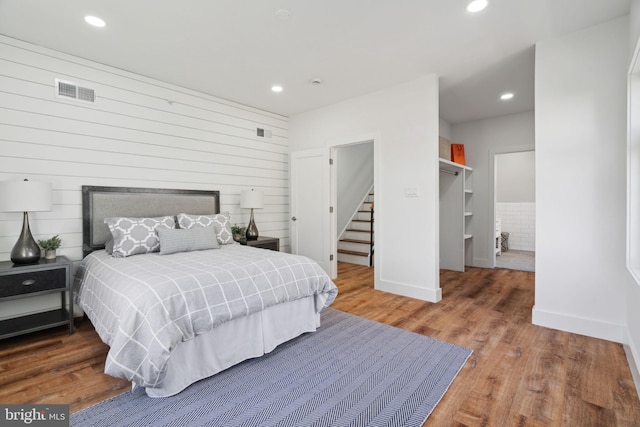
x=316, y=81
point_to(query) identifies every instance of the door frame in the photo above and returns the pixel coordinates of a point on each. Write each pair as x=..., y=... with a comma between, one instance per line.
x=334, y=144
x=492, y=188
x=633, y=170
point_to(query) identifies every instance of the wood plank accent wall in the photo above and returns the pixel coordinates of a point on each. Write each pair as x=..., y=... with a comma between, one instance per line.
x=140, y=132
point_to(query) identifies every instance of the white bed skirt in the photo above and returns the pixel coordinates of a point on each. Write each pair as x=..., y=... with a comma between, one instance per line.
x=235, y=341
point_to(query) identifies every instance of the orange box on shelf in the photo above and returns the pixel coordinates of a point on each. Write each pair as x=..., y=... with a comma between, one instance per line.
x=457, y=153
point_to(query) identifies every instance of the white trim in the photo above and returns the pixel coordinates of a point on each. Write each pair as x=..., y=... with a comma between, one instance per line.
x=483, y=262
x=634, y=72
x=580, y=325
x=333, y=219
x=431, y=295
x=634, y=362
x=630, y=349
x=377, y=196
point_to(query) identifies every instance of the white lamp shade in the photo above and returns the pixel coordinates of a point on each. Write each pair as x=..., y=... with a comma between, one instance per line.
x=25, y=196
x=251, y=199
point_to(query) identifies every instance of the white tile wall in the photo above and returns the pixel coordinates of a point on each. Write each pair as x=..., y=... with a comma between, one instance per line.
x=519, y=220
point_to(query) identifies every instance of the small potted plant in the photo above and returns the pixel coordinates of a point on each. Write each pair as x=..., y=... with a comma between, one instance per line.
x=50, y=246
x=238, y=232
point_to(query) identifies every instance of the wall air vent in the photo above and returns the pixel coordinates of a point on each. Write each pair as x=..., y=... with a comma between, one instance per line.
x=264, y=133
x=69, y=90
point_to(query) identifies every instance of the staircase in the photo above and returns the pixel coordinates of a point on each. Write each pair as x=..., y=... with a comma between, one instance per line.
x=355, y=245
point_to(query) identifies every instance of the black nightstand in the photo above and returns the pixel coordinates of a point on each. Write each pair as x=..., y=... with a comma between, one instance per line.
x=264, y=242
x=24, y=281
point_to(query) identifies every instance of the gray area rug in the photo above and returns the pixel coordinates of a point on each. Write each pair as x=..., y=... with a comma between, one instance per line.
x=351, y=372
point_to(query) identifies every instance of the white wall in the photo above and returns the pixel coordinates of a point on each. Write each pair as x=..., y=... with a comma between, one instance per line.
x=132, y=136
x=445, y=129
x=404, y=122
x=354, y=165
x=483, y=139
x=580, y=95
x=516, y=177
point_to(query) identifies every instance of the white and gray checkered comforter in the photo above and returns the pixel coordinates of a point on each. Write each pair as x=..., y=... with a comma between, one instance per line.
x=143, y=306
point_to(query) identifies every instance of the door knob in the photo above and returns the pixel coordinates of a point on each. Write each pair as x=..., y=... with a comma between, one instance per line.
x=293, y=218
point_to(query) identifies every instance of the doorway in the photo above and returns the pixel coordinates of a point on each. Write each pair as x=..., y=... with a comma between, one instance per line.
x=352, y=177
x=514, y=210
x=313, y=227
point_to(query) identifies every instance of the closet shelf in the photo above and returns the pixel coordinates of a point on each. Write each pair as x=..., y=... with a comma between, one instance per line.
x=445, y=162
x=456, y=215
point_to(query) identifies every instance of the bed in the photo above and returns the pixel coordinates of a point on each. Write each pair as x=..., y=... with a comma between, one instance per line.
x=183, y=301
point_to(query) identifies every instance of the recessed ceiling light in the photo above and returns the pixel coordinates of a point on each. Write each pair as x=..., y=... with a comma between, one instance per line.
x=477, y=5
x=506, y=96
x=277, y=88
x=95, y=21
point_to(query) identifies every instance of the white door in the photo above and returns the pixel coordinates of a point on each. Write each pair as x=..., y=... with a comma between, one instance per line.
x=310, y=206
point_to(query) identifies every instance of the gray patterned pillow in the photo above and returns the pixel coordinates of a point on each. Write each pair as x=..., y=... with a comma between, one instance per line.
x=181, y=240
x=132, y=236
x=221, y=223
x=109, y=246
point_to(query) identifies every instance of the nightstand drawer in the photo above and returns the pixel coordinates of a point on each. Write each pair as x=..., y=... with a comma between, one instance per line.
x=271, y=245
x=34, y=281
x=263, y=242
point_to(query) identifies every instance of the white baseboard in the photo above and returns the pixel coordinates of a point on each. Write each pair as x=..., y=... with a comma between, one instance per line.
x=482, y=263
x=580, y=325
x=431, y=295
x=633, y=357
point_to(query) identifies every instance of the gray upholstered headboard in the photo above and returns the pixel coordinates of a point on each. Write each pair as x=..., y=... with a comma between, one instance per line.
x=99, y=203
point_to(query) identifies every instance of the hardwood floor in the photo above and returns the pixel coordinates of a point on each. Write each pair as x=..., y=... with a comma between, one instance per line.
x=519, y=374
x=53, y=367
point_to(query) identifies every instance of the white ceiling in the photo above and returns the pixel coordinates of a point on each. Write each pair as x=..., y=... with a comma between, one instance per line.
x=237, y=49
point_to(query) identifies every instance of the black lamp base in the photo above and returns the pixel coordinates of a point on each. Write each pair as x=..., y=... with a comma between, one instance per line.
x=26, y=250
x=252, y=230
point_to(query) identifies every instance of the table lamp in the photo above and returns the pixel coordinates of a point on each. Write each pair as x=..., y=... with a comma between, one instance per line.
x=251, y=199
x=25, y=196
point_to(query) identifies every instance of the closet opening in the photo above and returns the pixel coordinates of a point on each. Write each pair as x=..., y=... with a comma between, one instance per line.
x=514, y=210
